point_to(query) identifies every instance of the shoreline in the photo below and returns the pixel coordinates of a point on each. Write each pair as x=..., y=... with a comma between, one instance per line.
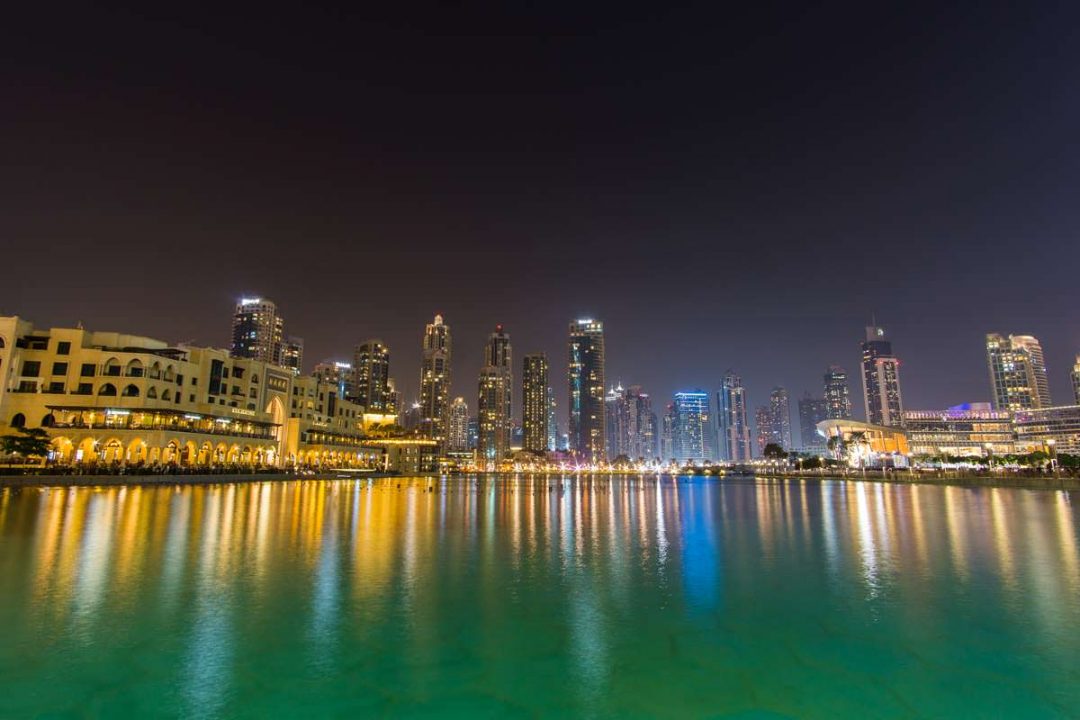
x=998, y=481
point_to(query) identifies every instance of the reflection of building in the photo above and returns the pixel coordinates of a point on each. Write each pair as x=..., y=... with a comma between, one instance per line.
x=812, y=411
x=493, y=405
x=435, y=380
x=837, y=394
x=970, y=429
x=1040, y=428
x=371, y=367
x=774, y=421
x=881, y=380
x=458, y=434
x=535, y=403
x=1017, y=372
x=865, y=442
x=586, y=380
x=734, y=427
x=106, y=397
x=692, y=421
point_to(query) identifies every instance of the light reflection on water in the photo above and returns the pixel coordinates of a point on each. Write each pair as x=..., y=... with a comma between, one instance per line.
x=540, y=595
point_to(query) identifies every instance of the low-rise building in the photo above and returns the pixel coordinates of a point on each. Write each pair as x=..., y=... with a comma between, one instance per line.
x=1046, y=428
x=972, y=429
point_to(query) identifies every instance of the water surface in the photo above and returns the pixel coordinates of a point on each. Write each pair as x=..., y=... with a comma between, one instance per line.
x=526, y=597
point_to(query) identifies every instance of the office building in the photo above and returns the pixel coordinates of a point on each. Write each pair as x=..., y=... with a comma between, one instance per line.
x=837, y=394
x=586, y=390
x=812, y=411
x=881, y=380
x=337, y=373
x=774, y=421
x=1017, y=372
x=536, y=407
x=616, y=421
x=692, y=421
x=257, y=330
x=493, y=405
x=435, y=380
x=667, y=434
x=640, y=429
x=734, y=428
x=457, y=439
x=552, y=428
x=371, y=366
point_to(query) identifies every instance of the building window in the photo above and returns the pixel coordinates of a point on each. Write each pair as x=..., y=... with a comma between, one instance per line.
x=84, y=389
x=59, y=368
x=27, y=386
x=18, y=420
x=131, y=391
x=31, y=368
x=108, y=389
x=56, y=387
x=87, y=370
x=63, y=348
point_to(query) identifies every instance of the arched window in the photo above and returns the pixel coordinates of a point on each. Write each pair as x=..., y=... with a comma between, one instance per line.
x=48, y=420
x=18, y=420
x=254, y=378
x=134, y=369
x=151, y=393
x=166, y=395
x=170, y=374
x=3, y=343
x=107, y=389
x=155, y=370
x=131, y=391
x=253, y=393
x=111, y=367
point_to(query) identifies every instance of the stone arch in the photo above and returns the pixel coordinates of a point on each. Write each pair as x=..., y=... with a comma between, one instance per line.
x=18, y=420
x=170, y=453
x=86, y=450
x=137, y=451
x=220, y=453
x=151, y=393
x=276, y=410
x=63, y=449
x=48, y=421
x=154, y=373
x=206, y=454
x=233, y=455
x=188, y=453
x=112, y=450
x=111, y=367
x=131, y=390
x=108, y=389
x=134, y=368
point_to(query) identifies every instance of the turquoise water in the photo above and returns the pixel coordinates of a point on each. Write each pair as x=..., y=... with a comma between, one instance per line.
x=542, y=597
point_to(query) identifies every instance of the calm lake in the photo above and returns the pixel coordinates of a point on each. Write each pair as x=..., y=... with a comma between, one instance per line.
x=540, y=596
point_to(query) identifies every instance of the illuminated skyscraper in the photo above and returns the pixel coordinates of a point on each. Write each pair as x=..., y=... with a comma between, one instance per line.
x=837, y=394
x=1017, y=372
x=535, y=406
x=812, y=411
x=290, y=354
x=1075, y=375
x=734, y=426
x=493, y=405
x=881, y=380
x=667, y=434
x=553, y=428
x=774, y=420
x=640, y=428
x=586, y=380
x=692, y=422
x=457, y=439
x=435, y=380
x=371, y=368
x=257, y=330
x=615, y=423
x=337, y=373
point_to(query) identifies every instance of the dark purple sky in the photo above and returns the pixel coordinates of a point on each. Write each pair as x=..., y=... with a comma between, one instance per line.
x=723, y=187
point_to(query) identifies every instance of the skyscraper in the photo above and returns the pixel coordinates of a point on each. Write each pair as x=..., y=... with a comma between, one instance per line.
x=457, y=438
x=616, y=419
x=586, y=380
x=553, y=428
x=290, y=354
x=734, y=427
x=667, y=434
x=493, y=405
x=371, y=368
x=257, y=330
x=774, y=420
x=1075, y=375
x=535, y=405
x=837, y=394
x=639, y=424
x=435, y=380
x=337, y=373
x=881, y=380
x=692, y=422
x=1017, y=372
x=812, y=411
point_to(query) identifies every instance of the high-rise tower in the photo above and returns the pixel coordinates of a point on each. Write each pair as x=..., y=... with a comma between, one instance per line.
x=1017, y=372
x=692, y=423
x=734, y=428
x=535, y=408
x=586, y=380
x=457, y=437
x=881, y=380
x=257, y=330
x=371, y=369
x=812, y=411
x=774, y=420
x=837, y=394
x=1075, y=375
x=435, y=380
x=493, y=405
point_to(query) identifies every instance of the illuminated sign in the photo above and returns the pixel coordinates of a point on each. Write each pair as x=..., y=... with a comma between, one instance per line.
x=243, y=411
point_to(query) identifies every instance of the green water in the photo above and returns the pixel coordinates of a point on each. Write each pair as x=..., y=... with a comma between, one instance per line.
x=534, y=597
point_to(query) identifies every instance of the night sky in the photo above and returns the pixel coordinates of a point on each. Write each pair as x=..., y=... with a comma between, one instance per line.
x=722, y=187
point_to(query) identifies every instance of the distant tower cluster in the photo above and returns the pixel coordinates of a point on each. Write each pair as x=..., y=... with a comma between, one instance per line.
x=1017, y=372
x=881, y=379
x=258, y=333
x=734, y=427
x=435, y=380
x=493, y=405
x=371, y=369
x=586, y=392
x=536, y=409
